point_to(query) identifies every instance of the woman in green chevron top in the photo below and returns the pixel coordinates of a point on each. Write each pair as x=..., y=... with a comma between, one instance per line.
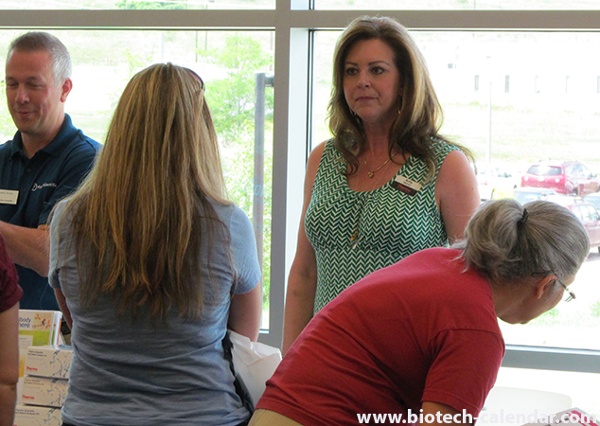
x=387, y=184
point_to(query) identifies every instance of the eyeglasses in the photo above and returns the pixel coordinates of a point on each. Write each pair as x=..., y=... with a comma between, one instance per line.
x=570, y=294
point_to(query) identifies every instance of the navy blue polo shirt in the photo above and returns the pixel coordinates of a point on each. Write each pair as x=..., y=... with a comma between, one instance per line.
x=41, y=181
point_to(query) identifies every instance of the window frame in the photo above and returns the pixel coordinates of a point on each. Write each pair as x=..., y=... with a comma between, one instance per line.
x=292, y=22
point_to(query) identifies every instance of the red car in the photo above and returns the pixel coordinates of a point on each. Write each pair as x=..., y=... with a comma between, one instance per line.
x=590, y=217
x=568, y=177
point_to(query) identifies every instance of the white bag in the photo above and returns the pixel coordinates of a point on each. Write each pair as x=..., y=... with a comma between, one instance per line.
x=254, y=363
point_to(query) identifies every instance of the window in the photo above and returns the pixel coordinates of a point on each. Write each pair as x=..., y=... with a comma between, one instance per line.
x=231, y=65
x=541, y=47
x=513, y=128
x=139, y=4
x=458, y=5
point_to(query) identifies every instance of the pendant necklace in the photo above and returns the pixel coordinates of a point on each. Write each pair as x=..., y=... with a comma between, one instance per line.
x=355, y=235
x=371, y=173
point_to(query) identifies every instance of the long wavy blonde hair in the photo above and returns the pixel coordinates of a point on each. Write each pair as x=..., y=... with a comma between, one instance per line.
x=142, y=215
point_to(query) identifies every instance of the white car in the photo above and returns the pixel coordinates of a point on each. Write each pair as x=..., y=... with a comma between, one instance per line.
x=495, y=183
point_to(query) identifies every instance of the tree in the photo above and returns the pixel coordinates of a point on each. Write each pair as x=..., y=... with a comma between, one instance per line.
x=232, y=102
x=232, y=98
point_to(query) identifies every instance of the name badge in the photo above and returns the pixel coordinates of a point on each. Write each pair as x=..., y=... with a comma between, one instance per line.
x=406, y=185
x=8, y=196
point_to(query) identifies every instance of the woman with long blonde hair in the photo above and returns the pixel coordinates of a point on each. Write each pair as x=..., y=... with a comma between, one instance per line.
x=151, y=264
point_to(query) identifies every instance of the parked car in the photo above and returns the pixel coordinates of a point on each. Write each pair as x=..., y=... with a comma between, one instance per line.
x=590, y=217
x=495, y=183
x=593, y=199
x=565, y=177
x=586, y=212
x=526, y=194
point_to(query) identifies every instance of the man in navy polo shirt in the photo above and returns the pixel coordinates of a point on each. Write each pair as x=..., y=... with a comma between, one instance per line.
x=46, y=160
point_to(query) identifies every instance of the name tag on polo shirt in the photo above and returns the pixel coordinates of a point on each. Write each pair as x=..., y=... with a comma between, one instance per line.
x=8, y=196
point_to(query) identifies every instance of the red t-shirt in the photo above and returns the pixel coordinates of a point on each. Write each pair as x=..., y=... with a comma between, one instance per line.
x=10, y=291
x=419, y=330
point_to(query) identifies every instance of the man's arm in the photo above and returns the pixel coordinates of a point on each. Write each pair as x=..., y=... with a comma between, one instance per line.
x=29, y=247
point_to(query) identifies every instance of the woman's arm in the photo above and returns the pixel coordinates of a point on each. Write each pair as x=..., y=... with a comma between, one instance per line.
x=245, y=313
x=62, y=304
x=441, y=414
x=9, y=364
x=302, y=281
x=456, y=194
x=301, y=290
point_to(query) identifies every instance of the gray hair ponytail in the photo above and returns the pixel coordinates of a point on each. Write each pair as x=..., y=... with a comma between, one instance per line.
x=507, y=241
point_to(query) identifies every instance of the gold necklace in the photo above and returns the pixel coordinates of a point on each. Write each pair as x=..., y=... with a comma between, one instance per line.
x=372, y=172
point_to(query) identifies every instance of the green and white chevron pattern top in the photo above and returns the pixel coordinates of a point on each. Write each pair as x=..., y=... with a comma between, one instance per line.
x=390, y=224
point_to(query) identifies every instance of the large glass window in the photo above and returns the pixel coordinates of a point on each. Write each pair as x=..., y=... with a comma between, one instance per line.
x=516, y=87
x=460, y=4
x=509, y=100
x=139, y=4
x=237, y=68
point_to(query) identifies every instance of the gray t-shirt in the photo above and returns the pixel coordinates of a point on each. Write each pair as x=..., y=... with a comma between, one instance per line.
x=137, y=373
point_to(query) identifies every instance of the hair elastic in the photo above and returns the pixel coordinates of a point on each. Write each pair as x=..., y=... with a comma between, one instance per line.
x=524, y=217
